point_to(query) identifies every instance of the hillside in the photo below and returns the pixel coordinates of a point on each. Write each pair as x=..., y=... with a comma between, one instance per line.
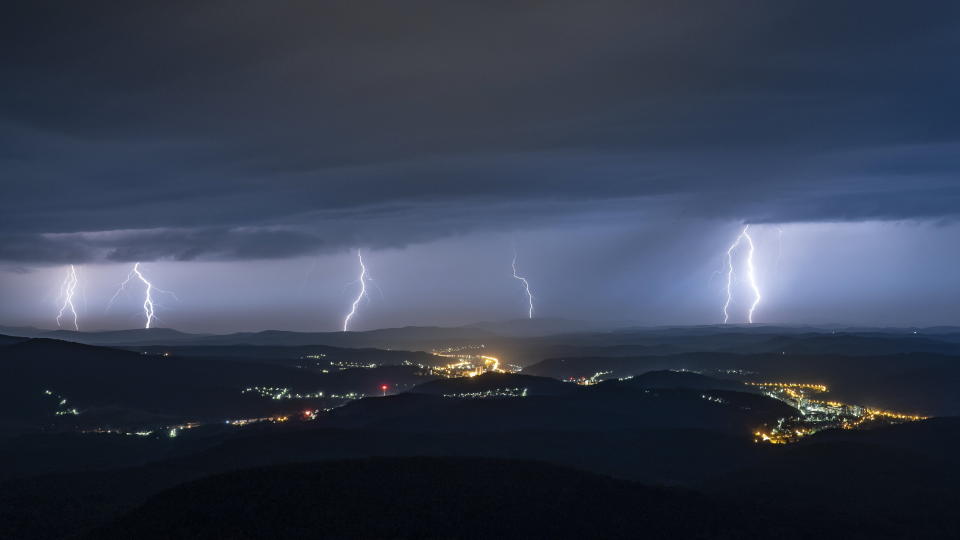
x=417, y=498
x=10, y=340
x=856, y=488
x=679, y=379
x=923, y=383
x=496, y=383
x=323, y=356
x=112, y=387
x=593, y=409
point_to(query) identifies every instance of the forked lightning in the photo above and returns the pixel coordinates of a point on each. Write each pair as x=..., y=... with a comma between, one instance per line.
x=148, y=304
x=67, y=289
x=751, y=275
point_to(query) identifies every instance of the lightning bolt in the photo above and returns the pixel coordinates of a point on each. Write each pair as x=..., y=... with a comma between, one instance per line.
x=526, y=286
x=67, y=289
x=361, y=296
x=148, y=304
x=751, y=275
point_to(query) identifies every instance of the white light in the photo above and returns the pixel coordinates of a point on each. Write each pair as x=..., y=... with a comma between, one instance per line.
x=361, y=296
x=148, y=305
x=67, y=289
x=751, y=276
x=526, y=286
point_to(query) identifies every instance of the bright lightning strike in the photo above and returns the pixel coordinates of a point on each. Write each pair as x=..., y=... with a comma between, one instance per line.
x=361, y=296
x=751, y=275
x=526, y=286
x=67, y=289
x=148, y=304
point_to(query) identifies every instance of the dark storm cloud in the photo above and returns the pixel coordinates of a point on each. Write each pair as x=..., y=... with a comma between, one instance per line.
x=261, y=130
x=374, y=227
x=180, y=245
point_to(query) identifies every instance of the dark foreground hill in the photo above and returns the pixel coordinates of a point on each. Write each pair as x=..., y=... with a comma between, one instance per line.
x=483, y=498
x=418, y=498
x=857, y=487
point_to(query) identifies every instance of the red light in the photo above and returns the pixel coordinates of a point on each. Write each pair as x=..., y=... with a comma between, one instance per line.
x=384, y=387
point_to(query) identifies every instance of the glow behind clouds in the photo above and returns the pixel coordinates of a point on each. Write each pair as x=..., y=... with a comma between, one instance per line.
x=850, y=273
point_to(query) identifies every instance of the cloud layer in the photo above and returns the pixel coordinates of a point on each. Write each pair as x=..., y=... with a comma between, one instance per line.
x=250, y=130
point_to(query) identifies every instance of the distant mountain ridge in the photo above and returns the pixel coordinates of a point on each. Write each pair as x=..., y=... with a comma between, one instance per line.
x=384, y=338
x=680, y=379
x=944, y=339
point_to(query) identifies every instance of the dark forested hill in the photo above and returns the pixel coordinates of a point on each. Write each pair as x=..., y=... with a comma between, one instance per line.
x=920, y=383
x=118, y=387
x=493, y=383
x=418, y=498
x=483, y=498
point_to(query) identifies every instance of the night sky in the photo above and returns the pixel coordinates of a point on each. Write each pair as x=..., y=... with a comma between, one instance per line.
x=243, y=152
